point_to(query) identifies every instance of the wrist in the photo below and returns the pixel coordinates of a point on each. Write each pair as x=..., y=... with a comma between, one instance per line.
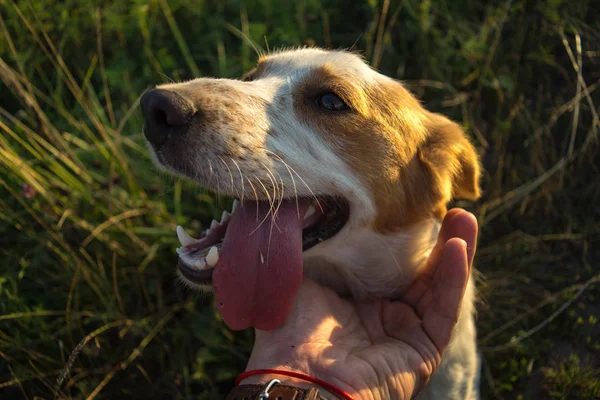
x=262, y=379
x=399, y=388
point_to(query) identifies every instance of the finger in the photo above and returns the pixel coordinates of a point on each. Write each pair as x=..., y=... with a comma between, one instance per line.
x=458, y=223
x=465, y=226
x=441, y=314
x=443, y=237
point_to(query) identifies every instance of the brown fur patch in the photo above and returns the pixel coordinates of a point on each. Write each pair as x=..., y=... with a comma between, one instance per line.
x=412, y=161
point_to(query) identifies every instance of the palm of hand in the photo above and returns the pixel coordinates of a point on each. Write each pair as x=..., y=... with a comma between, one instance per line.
x=380, y=349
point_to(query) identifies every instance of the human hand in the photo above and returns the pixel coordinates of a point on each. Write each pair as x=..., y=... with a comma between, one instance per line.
x=379, y=349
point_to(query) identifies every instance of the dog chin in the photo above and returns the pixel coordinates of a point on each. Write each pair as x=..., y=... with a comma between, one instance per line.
x=364, y=264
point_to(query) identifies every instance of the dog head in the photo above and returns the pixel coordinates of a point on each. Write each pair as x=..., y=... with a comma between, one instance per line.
x=339, y=170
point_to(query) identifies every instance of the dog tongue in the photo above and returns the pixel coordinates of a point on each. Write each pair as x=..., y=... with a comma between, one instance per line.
x=259, y=270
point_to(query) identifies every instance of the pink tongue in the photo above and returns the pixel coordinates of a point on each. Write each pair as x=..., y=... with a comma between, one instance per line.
x=260, y=265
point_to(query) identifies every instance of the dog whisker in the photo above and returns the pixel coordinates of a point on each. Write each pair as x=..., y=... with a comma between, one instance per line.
x=230, y=174
x=241, y=177
x=276, y=189
x=253, y=189
x=289, y=169
x=274, y=198
x=270, y=204
x=211, y=171
x=302, y=180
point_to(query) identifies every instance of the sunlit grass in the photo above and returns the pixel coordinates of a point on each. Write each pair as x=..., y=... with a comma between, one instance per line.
x=88, y=301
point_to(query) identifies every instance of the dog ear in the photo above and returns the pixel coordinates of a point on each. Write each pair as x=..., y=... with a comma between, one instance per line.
x=451, y=159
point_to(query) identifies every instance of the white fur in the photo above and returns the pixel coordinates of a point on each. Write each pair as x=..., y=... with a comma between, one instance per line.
x=373, y=264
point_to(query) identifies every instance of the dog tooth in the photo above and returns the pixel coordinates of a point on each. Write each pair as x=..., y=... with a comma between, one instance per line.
x=236, y=204
x=201, y=263
x=179, y=250
x=184, y=238
x=213, y=256
x=214, y=224
x=224, y=216
x=310, y=211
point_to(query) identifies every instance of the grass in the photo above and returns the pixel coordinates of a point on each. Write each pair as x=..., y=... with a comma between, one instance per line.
x=571, y=377
x=88, y=304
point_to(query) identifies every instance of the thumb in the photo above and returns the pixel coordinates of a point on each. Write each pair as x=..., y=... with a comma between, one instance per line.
x=448, y=289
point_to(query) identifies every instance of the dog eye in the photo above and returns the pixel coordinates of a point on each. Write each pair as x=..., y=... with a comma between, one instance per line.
x=331, y=102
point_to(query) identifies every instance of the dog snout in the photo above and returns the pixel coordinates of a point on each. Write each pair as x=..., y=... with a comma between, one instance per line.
x=163, y=111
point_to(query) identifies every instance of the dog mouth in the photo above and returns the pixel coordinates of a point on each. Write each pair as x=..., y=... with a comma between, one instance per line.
x=322, y=220
x=252, y=258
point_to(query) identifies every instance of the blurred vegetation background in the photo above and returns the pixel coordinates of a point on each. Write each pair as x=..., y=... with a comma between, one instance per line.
x=89, y=307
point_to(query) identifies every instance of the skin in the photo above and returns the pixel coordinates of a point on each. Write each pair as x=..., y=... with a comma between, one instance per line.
x=379, y=349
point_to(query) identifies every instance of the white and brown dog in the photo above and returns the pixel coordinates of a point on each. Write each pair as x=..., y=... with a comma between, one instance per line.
x=341, y=174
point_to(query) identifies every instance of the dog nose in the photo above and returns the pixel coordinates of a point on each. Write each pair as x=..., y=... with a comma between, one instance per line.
x=163, y=110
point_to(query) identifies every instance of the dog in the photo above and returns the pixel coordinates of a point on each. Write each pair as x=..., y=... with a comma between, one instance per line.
x=341, y=175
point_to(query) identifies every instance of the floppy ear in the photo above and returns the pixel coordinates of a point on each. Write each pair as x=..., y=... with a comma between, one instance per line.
x=451, y=159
